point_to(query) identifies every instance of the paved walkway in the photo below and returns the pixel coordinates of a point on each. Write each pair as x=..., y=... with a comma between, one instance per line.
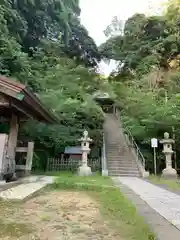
x=29, y=186
x=158, y=206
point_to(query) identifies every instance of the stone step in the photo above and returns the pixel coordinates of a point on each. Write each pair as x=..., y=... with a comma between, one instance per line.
x=119, y=147
x=123, y=170
x=116, y=145
x=124, y=157
x=25, y=189
x=4, y=186
x=133, y=168
x=129, y=171
x=118, y=154
x=121, y=159
x=116, y=141
x=122, y=167
x=117, y=151
x=123, y=174
x=128, y=162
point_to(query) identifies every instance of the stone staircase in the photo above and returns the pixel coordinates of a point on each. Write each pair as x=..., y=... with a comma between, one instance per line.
x=120, y=160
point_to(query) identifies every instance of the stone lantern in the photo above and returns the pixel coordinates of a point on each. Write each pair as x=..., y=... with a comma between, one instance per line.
x=167, y=150
x=84, y=169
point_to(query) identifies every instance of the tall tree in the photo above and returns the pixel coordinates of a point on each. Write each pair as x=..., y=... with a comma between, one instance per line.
x=147, y=81
x=44, y=45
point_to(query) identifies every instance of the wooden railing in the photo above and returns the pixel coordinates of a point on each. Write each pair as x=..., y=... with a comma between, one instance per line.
x=69, y=164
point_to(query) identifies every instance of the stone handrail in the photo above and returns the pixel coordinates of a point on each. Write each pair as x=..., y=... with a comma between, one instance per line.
x=104, y=159
x=141, y=162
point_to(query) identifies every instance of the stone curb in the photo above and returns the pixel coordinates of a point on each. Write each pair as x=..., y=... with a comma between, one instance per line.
x=163, y=229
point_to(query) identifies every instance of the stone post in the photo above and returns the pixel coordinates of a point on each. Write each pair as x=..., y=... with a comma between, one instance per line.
x=3, y=152
x=29, y=158
x=167, y=150
x=104, y=159
x=84, y=169
x=12, y=142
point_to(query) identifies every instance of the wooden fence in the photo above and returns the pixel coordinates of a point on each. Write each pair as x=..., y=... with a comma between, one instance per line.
x=63, y=164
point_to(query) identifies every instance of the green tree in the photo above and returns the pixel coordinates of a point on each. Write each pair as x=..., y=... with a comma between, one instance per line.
x=44, y=45
x=147, y=81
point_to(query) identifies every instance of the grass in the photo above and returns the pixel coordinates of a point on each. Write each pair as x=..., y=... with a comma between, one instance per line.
x=115, y=208
x=117, y=211
x=171, y=184
x=93, y=182
x=11, y=228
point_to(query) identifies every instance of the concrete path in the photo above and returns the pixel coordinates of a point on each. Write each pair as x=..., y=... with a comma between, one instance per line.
x=29, y=186
x=159, y=207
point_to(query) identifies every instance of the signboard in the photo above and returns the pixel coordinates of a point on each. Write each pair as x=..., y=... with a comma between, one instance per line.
x=154, y=143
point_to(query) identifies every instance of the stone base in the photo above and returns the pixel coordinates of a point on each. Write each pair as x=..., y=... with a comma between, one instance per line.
x=8, y=177
x=145, y=174
x=23, y=173
x=1, y=177
x=169, y=173
x=84, y=171
x=28, y=173
x=2, y=182
x=104, y=173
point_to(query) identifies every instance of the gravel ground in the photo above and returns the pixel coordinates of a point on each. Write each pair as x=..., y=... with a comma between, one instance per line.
x=57, y=215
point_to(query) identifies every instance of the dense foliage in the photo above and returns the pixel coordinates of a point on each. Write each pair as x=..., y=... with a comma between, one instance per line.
x=44, y=45
x=147, y=82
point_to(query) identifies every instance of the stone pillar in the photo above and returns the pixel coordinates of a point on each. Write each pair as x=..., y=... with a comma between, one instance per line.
x=104, y=159
x=12, y=142
x=29, y=158
x=84, y=169
x=3, y=151
x=167, y=150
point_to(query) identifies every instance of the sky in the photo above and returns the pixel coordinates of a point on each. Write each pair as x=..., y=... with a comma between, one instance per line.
x=96, y=15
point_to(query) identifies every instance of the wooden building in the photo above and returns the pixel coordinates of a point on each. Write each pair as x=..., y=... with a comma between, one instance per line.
x=105, y=101
x=17, y=105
